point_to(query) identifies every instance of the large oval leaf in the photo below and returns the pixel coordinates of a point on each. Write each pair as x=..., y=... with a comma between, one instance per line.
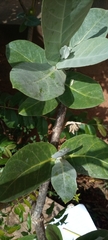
x=95, y=24
x=24, y=51
x=81, y=92
x=89, y=155
x=88, y=52
x=38, y=81
x=26, y=170
x=32, y=107
x=60, y=20
x=63, y=179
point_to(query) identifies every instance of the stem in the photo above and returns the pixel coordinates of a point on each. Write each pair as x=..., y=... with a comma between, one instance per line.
x=58, y=125
x=22, y=5
x=12, y=108
x=30, y=34
x=37, y=214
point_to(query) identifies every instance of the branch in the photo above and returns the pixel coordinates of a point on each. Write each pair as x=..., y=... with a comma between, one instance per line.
x=37, y=215
x=30, y=34
x=58, y=125
x=22, y=5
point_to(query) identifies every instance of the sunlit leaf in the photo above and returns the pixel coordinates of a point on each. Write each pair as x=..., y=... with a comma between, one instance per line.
x=33, y=107
x=88, y=52
x=60, y=20
x=94, y=25
x=39, y=81
x=24, y=51
x=89, y=155
x=81, y=92
x=26, y=170
x=63, y=179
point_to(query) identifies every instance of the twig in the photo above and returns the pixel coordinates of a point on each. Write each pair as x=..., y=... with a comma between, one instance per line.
x=30, y=34
x=37, y=215
x=22, y=5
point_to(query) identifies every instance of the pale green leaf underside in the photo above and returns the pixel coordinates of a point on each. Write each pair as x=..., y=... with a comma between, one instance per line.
x=89, y=155
x=95, y=24
x=81, y=92
x=26, y=170
x=63, y=179
x=24, y=51
x=32, y=107
x=60, y=20
x=39, y=81
x=88, y=52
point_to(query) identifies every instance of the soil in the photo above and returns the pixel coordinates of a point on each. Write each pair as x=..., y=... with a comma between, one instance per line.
x=93, y=192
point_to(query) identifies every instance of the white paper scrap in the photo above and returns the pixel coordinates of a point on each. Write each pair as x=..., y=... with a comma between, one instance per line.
x=77, y=223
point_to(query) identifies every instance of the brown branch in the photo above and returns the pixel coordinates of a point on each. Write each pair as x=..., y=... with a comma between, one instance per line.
x=10, y=108
x=30, y=34
x=44, y=187
x=58, y=125
x=22, y=5
x=40, y=230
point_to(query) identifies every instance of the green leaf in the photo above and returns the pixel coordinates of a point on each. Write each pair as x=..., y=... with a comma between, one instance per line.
x=2, y=232
x=102, y=129
x=63, y=179
x=95, y=24
x=10, y=118
x=7, y=152
x=89, y=155
x=38, y=81
x=53, y=233
x=29, y=237
x=11, y=146
x=21, y=207
x=66, y=17
x=32, y=107
x=11, y=229
x=32, y=21
x=29, y=122
x=24, y=51
x=33, y=197
x=50, y=209
x=29, y=222
x=17, y=210
x=42, y=127
x=27, y=203
x=6, y=237
x=1, y=222
x=88, y=52
x=100, y=126
x=3, y=161
x=89, y=129
x=81, y=92
x=26, y=170
x=22, y=27
x=95, y=235
x=21, y=217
